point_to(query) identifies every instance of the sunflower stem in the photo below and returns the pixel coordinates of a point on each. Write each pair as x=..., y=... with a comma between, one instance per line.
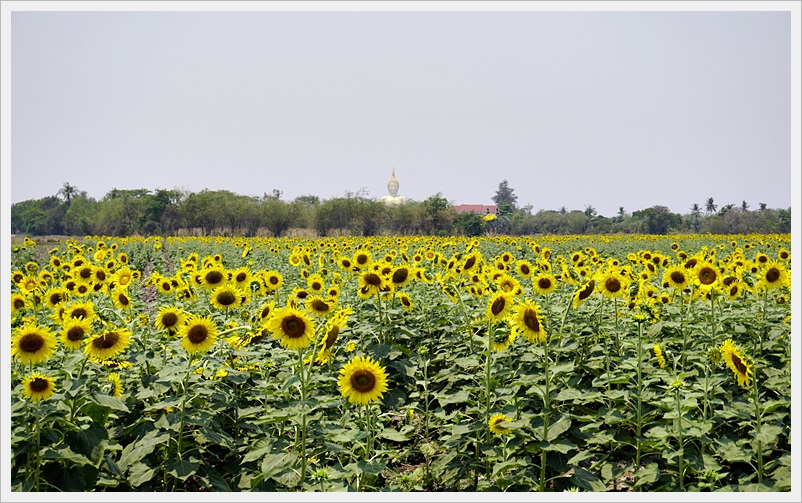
x=680, y=439
x=756, y=399
x=547, y=414
x=639, y=411
x=38, y=448
x=183, y=407
x=302, y=379
x=487, y=388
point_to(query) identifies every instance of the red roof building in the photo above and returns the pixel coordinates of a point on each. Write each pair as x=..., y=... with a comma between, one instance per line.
x=477, y=208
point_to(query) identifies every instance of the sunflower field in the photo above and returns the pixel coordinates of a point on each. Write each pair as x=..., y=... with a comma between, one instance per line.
x=570, y=363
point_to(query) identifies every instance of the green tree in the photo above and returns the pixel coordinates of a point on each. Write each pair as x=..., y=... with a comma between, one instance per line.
x=505, y=195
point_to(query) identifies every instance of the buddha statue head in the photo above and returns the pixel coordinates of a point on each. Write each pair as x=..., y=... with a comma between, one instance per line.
x=392, y=184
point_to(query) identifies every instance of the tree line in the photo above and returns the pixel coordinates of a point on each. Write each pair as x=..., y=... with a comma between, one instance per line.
x=220, y=212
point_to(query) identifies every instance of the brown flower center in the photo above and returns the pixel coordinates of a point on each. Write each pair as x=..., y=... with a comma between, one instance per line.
x=738, y=364
x=213, y=277
x=531, y=321
x=498, y=306
x=363, y=381
x=772, y=275
x=707, y=275
x=400, y=275
x=612, y=285
x=373, y=279
x=677, y=277
x=226, y=298
x=75, y=334
x=320, y=306
x=293, y=326
x=169, y=319
x=38, y=385
x=197, y=334
x=106, y=341
x=331, y=337
x=31, y=343
x=585, y=293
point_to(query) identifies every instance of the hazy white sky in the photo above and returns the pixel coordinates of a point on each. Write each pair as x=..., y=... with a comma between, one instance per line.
x=605, y=109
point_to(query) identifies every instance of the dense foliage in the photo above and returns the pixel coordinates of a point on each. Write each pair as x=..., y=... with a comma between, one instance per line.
x=594, y=363
x=220, y=212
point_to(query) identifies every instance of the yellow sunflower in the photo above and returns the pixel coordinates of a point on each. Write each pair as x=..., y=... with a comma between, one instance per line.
x=38, y=387
x=362, y=380
x=32, y=343
x=315, y=284
x=705, y=276
x=116, y=385
x=496, y=424
x=658, y=353
x=736, y=362
x=333, y=328
x=318, y=306
x=405, y=300
x=291, y=327
x=581, y=294
x=773, y=275
x=108, y=343
x=80, y=309
x=524, y=269
x=612, y=283
x=56, y=296
x=544, y=283
x=121, y=298
x=170, y=318
x=400, y=276
x=370, y=284
x=198, y=334
x=18, y=302
x=502, y=338
x=213, y=277
x=225, y=297
x=74, y=332
x=676, y=277
x=499, y=306
x=526, y=319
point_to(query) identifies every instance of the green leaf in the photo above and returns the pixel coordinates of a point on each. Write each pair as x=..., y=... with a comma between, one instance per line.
x=586, y=480
x=181, y=468
x=459, y=397
x=569, y=394
x=732, y=452
x=647, y=475
x=506, y=465
x=276, y=463
x=108, y=401
x=259, y=449
x=136, y=451
x=558, y=428
x=768, y=434
x=371, y=466
x=139, y=474
x=391, y=434
x=65, y=453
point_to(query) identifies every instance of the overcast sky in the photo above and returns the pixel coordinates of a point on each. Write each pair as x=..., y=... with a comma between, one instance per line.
x=606, y=109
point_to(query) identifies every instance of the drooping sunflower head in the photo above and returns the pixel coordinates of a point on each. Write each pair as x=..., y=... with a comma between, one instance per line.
x=362, y=380
x=582, y=293
x=38, y=387
x=198, y=334
x=318, y=306
x=32, y=343
x=736, y=362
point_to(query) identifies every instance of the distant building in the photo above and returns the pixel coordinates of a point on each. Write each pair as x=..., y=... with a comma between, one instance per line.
x=482, y=209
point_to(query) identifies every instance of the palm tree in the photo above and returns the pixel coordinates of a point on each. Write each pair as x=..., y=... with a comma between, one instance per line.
x=710, y=206
x=696, y=210
x=744, y=205
x=68, y=191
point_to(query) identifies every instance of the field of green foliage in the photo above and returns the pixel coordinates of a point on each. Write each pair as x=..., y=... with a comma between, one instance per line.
x=570, y=363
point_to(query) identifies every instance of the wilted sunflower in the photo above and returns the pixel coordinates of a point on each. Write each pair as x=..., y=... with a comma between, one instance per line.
x=225, y=297
x=198, y=334
x=291, y=327
x=32, y=343
x=108, y=343
x=74, y=332
x=526, y=319
x=169, y=318
x=499, y=306
x=496, y=424
x=38, y=387
x=362, y=380
x=736, y=362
